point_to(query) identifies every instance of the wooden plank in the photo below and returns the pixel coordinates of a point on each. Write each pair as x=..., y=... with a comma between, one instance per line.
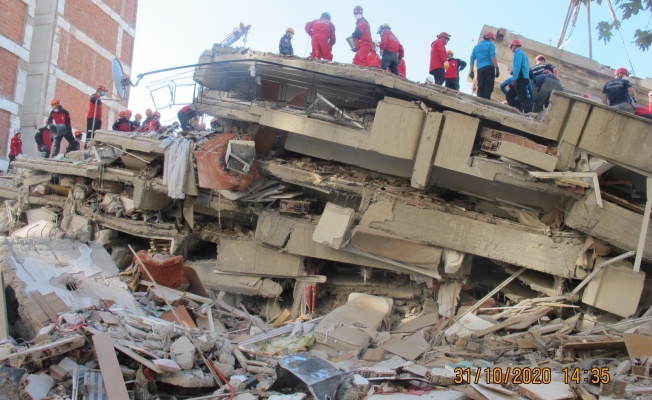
x=42, y=352
x=111, y=374
x=108, y=318
x=609, y=344
x=138, y=358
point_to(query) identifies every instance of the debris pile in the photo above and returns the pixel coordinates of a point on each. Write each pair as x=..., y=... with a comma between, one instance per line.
x=343, y=234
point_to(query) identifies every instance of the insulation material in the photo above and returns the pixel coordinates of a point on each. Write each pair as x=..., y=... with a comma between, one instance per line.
x=453, y=261
x=396, y=248
x=212, y=169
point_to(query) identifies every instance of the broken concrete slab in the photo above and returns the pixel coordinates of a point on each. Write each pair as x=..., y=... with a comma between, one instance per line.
x=611, y=223
x=250, y=257
x=334, y=226
x=184, y=352
x=476, y=234
x=356, y=322
x=80, y=275
x=617, y=289
x=35, y=387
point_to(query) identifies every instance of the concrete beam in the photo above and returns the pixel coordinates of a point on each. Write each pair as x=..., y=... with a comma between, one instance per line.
x=613, y=224
x=250, y=257
x=294, y=236
x=122, y=140
x=426, y=151
x=477, y=234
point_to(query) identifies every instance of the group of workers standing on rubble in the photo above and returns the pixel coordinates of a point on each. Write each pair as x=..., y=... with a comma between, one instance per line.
x=528, y=88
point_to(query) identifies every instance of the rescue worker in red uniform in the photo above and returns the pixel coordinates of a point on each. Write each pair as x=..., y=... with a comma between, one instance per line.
x=322, y=32
x=455, y=65
x=362, y=36
x=123, y=124
x=402, y=72
x=438, y=58
x=59, y=125
x=94, y=115
x=154, y=124
x=43, y=140
x=16, y=146
x=374, y=58
x=391, y=48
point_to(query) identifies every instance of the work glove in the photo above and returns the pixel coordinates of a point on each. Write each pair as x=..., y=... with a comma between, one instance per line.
x=471, y=74
x=446, y=65
x=497, y=72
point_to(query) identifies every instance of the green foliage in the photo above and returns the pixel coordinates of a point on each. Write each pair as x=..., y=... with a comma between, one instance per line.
x=627, y=8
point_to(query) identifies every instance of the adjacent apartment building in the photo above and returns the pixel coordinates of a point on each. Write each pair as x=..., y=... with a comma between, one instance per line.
x=62, y=49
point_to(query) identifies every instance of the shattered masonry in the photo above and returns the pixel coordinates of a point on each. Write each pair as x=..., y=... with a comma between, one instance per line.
x=398, y=230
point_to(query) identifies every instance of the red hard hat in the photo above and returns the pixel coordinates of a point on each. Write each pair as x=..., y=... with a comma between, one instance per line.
x=444, y=35
x=148, y=112
x=102, y=88
x=357, y=10
x=157, y=114
x=515, y=42
x=489, y=35
x=622, y=70
x=128, y=112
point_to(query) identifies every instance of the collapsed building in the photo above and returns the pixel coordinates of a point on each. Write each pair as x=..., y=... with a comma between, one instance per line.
x=333, y=187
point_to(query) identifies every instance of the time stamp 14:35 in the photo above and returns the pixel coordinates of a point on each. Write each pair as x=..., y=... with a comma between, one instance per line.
x=530, y=375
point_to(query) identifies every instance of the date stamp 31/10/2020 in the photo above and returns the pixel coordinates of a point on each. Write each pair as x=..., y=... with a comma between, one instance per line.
x=529, y=375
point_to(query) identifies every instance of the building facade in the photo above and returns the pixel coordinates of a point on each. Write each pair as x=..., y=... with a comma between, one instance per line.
x=60, y=49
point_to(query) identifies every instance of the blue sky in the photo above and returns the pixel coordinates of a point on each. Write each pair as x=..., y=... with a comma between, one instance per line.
x=170, y=33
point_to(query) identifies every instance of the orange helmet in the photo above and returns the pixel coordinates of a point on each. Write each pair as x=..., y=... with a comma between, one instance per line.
x=128, y=113
x=102, y=88
x=121, y=113
x=78, y=134
x=449, y=52
x=55, y=103
x=444, y=35
x=157, y=114
x=489, y=35
x=622, y=70
x=138, y=116
x=148, y=112
x=515, y=43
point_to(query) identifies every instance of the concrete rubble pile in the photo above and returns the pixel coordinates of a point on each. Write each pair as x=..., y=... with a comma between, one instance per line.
x=344, y=234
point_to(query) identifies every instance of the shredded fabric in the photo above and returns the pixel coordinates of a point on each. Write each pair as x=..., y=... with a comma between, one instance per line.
x=176, y=167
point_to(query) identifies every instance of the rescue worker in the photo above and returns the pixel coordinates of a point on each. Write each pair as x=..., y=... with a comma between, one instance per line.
x=642, y=112
x=185, y=114
x=285, y=44
x=123, y=123
x=438, y=58
x=77, y=144
x=362, y=37
x=391, y=48
x=521, y=70
x=619, y=93
x=135, y=124
x=509, y=89
x=374, y=59
x=540, y=66
x=43, y=139
x=215, y=123
x=16, y=146
x=455, y=65
x=322, y=34
x=149, y=115
x=59, y=125
x=94, y=115
x=154, y=124
x=402, y=72
x=545, y=83
x=487, y=66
